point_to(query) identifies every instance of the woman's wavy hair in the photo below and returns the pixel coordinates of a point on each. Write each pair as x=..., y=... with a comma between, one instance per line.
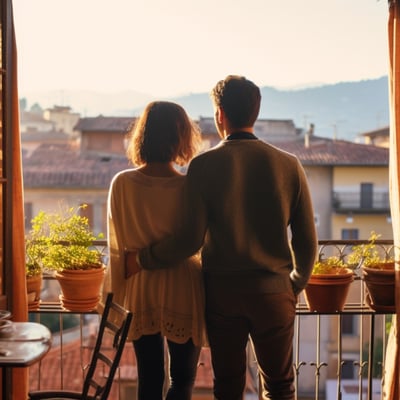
x=163, y=133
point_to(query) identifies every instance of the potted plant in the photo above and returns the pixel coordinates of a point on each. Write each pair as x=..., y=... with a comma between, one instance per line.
x=68, y=251
x=328, y=286
x=378, y=273
x=370, y=255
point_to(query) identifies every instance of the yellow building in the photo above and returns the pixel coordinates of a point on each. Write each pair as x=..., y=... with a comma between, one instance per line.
x=349, y=183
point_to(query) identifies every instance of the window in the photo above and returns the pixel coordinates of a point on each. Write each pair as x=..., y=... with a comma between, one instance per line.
x=348, y=369
x=350, y=234
x=28, y=207
x=366, y=199
x=349, y=324
x=104, y=218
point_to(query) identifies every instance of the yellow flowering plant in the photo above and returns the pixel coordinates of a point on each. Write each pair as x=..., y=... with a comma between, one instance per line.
x=60, y=241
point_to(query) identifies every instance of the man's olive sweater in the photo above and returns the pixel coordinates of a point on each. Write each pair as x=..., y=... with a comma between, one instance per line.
x=247, y=206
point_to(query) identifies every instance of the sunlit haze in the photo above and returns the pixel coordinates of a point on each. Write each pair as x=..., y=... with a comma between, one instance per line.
x=175, y=47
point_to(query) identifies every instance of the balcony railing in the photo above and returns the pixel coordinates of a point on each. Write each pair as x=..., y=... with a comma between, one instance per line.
x=345, y=201
x=336, y=356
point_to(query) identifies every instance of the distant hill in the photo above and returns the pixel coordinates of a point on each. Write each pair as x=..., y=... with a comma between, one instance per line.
x=346, y=109
x=343, y=109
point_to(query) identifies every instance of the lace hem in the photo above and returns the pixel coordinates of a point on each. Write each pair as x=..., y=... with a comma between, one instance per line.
x=176, y=327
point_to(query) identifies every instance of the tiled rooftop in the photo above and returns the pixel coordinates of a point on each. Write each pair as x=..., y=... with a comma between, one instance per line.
x=73, y=356
x=326, y=152
x=104, y=124
x=54, y=166
x=384, y=131
x=47, y=372
x=37, y=136
x=62, y=165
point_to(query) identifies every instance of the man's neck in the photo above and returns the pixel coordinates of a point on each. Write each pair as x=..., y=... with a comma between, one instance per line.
x=240, y=135
x=229, y=131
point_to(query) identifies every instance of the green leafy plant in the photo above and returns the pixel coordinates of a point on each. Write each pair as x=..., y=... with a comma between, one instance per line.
x=368, y=254
x=64, y=240
x=34, y=252
x=329, y=265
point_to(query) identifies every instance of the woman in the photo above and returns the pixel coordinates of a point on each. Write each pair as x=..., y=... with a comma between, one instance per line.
x=143, y=207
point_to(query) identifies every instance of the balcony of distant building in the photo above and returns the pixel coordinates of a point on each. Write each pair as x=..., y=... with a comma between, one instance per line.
x=365, y=200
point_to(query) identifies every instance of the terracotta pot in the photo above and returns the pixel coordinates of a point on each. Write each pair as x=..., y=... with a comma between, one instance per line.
x=380, y=284
x=33, y=288
x=80, y=288
x=327, y=293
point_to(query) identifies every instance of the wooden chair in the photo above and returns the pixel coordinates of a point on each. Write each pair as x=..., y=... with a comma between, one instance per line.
x=116, y=321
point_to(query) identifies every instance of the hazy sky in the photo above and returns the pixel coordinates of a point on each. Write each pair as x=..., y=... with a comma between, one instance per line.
x=174, y=47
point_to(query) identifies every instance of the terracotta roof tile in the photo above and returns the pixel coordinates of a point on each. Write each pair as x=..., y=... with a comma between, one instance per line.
x=48, y=371
x=32, y=136
x=336, y=153
x=47, y=374
x=62, y=165
x=104, y=124
x=383, y=131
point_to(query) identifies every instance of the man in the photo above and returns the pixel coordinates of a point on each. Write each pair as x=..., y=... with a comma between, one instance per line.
x=248, y=206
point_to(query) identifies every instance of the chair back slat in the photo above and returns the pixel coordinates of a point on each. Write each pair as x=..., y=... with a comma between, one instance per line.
x=114, y=324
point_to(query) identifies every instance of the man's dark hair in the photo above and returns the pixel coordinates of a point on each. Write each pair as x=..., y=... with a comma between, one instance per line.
x=239, y=98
